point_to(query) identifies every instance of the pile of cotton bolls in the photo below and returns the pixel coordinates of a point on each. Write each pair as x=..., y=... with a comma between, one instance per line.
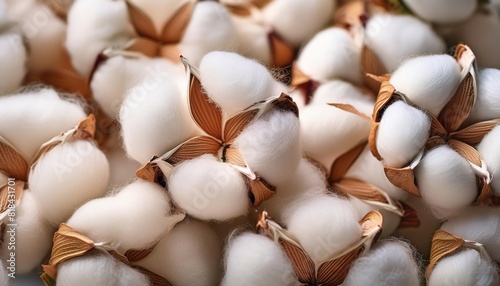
x=249, y=142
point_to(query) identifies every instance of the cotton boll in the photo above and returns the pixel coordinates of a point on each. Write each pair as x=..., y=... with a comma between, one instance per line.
x=466, y=267
x=428, y=81
x=446, y=181
x=324, y=225
x=252, y=39
x=370, y=170
x=136, y=217
x=253, y=259
x=479, y=224
x=154, y=120
x=67, y=176
x=190, y=254
x=33, y=236
x=440, y=12
x=282, y=16
x=235, y=82
x=331, y=54
x=93, y=26
x=98, y=269
x=42, y=115
x=488, y=148
x=407, y=36
x=338, y=91
x=487, y=106
x=402, y=133
x=210, y=29
x=208, y=189
x=13, y=58
x=389, y=263
x=271, y=146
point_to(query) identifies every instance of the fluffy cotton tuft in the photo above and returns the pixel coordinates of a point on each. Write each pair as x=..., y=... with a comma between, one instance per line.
x=208, y=189
x=13, y=57
x=487, y=106
x=235, y=82
x=467, y=267
x=252, y=39
x=488, y=148
x=389, y=263
x=42, y=115
x=428, y=81
x=331, y=54
x=253, y=259
x=271, y=145
x=440, y=12
x=446, y=181
x=402, y=133
x=136, y=217
x=190, y=254
x=98, y=269
x=396, y=37
x=324, y=226
x=67, y=176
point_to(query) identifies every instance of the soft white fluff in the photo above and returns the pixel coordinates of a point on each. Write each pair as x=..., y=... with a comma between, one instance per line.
x=190, y=254
x=271, y=145
x=282, y=16
x=235, y=82
x=154, y=120
x=68, y=176
x=324, y=226
x=253, y=259
x=13, y=57
x=446, y=181
x=331, y=54
x=466, y=267
x=208, y=189
x=487, y=105
x=490, y=153
x=98, y=269
x=402, y=133
x=428, y=81
x=368, y=169
x=389, y=263
x=33, y=236
x=42, y=115
x=252, y=39
x=479, y=224
x=394, y=38
x=135, y=218
x=440, y=12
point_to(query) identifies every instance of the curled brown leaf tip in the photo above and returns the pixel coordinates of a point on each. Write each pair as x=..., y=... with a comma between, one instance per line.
x=285, y=102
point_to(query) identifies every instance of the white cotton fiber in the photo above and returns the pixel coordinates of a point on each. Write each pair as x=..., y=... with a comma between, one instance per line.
x=271, y=145
x=440, y=12
x=466, y=267
x=66, y=177
x=42, y=115
x=394, y=38
x=325, y=226
x=93, y=26
x=154, y=120
x=389, y=263
x=235, y=82
x=331, y=54
x=190, y=254
x=253, y=259
x=98, y=268
x=428, y=81
x=402, y=133
x=479, y=224
x=446, y=181
x=252, y=39
x=282, y=15
x=13, y=57
x=208, y=189
x=490, y=153
x=368, y=169
x=32, y=236
x=135, y=218
x=328, y=132
x=487, y=105
x=210, y=29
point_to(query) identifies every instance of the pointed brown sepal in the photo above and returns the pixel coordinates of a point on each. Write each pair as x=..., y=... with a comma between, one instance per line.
x=174, y=30
x=372, y=140
x=134, y=255
x=237, y=123
x=486, y=196
x=466, y=151
x=403, y=178
x=286, y=103
x=475, y=133
x=361, y=190
x=282, y=52
x=410, y=217
x=371, y=64
x=151, y=172
x=335, y=271
x=303, y=82
x=146, y=46
x=193, y=148
x=232, y=156
x=343, y=163
x=351, y=109
x=141, y=22
x=443, y=244
x=302, y=265
x=12, y=163
x=259, y=190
